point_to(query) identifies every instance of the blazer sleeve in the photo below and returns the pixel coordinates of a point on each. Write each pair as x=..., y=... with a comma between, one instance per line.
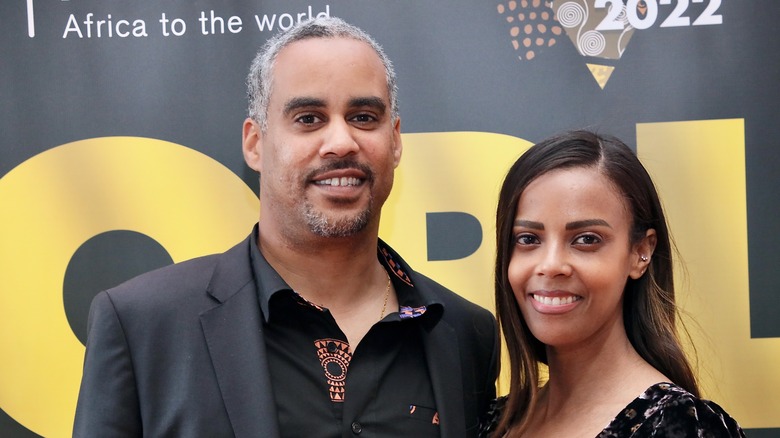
x=494, y=366
x=108, y=399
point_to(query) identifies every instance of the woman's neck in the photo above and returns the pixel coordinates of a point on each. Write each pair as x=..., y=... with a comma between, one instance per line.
x=588, y=386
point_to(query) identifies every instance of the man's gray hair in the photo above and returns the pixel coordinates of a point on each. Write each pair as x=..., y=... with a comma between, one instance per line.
x=260, y=78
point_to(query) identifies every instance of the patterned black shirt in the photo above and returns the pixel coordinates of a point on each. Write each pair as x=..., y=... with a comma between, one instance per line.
x=322, y=388
x=664, y=410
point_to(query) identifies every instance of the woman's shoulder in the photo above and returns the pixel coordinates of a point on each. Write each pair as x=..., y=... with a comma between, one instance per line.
x=667, y=410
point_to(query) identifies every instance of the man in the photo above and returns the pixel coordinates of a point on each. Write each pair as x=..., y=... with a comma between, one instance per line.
x=312, y=327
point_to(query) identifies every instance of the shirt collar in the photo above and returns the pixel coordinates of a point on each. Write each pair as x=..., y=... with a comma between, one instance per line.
x=412, y=301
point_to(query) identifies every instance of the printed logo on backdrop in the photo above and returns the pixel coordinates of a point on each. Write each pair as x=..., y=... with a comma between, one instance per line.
x=104, y=25
x=600, y=29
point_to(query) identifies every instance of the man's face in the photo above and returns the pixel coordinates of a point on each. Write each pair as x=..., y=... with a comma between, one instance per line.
x=330, y=148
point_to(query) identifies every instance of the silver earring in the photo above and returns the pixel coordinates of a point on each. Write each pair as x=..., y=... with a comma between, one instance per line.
x=644, y=258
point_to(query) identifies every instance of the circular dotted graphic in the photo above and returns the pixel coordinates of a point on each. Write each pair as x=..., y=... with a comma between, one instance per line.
x=532, y=26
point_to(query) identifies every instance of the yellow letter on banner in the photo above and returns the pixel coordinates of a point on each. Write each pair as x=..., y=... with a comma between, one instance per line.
x=699, y=168
x=61, y=198
x=66, y=195
x=450, y=172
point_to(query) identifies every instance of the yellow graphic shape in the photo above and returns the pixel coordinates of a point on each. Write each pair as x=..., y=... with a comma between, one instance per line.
x=56, y=201
x=192, y=205
x=699, y=169
x=601, y=73
x=450, y=172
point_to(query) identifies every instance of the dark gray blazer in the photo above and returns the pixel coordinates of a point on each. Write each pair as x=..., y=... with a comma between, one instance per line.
x=180, y=352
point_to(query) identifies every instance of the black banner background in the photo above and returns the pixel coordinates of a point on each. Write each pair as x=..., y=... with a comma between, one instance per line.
x=458, y=71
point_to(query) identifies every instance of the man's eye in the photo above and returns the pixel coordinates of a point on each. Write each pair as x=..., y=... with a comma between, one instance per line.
x=364, y=118
x=307, y=119
x=526, y=239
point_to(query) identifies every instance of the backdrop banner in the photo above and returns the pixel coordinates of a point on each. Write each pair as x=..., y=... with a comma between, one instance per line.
x=120, y=152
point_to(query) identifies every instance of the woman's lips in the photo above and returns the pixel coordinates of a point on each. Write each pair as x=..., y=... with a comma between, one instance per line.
x=554, y=302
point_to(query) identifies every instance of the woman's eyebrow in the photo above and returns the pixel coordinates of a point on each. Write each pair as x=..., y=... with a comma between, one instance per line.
x=529, y=224
x=587, y=223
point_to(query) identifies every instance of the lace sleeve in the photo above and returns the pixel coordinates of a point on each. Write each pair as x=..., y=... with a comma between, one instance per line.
x=695, y=418
x=488, y=423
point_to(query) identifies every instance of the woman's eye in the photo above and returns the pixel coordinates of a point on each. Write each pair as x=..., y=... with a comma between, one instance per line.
x=587, y=239
x=526, y=239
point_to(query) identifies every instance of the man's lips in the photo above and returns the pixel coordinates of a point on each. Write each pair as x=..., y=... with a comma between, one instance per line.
x=342, y=173
x=340, y=178
x=340, y=182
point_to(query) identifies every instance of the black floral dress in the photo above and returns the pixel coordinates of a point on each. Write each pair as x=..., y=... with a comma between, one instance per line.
x=663, y=411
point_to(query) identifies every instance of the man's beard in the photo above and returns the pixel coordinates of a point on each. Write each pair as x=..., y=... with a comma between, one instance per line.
x=321, y=225
x=318, y=221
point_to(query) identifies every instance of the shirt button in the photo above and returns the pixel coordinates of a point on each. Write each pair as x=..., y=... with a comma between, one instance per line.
x=356, y=428
x=332, y=347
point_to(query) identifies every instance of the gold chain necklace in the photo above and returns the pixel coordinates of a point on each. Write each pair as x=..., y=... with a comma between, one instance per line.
x=387, y=295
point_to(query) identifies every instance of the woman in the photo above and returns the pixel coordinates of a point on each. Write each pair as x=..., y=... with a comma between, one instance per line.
x=584, y=284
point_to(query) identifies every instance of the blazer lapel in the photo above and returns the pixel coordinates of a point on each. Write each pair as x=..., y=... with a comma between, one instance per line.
x=443, y=357
x=233, y=332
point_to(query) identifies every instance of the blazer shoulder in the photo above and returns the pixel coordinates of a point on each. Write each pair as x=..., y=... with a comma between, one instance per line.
x=185, y=283
x=451, y=300
x=463, y=315
x=179, y=277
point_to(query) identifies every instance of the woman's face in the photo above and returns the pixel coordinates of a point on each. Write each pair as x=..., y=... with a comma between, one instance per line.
x=572, y=257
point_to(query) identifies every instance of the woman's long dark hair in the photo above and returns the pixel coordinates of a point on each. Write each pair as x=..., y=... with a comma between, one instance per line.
x=649, y=309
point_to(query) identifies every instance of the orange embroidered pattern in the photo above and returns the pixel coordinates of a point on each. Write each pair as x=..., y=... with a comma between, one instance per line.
x=335, y=357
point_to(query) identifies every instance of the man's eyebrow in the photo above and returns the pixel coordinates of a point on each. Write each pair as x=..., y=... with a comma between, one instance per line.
x=529, y=224
x=302, y=102
x=297, y=103
x=587, y=223
x=371, y=102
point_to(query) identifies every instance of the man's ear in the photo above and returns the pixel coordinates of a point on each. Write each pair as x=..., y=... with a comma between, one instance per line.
x=252, y=144
x=398, y=146
x=643, y=254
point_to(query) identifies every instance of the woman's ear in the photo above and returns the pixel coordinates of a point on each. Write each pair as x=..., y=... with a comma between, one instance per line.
x=643, y=254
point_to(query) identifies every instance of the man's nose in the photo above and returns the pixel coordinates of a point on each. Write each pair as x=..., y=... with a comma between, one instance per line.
x=339, y=140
